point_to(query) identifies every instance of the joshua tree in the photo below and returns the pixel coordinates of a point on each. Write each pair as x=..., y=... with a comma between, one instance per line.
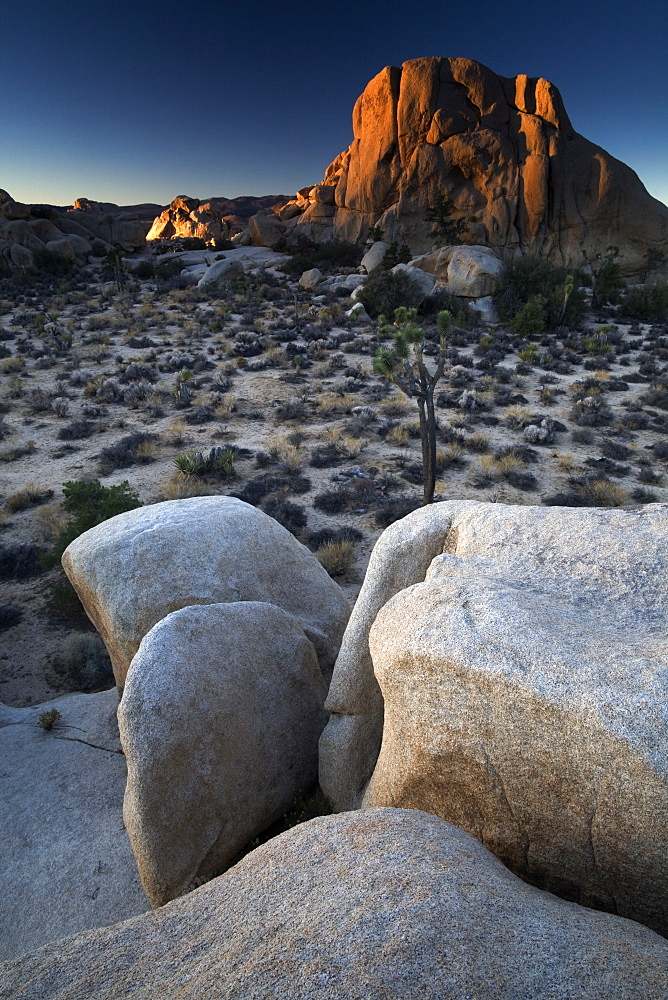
x=404, y=365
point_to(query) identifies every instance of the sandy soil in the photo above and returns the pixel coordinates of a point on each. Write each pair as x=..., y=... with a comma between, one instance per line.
x=42, y=393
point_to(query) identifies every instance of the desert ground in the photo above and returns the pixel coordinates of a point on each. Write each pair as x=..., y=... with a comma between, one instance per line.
x=130, y=383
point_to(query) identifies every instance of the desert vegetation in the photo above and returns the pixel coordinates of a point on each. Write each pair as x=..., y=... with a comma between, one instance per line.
x=121, y=385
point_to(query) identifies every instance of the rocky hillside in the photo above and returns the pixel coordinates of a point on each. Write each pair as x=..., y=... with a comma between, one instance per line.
x=502, y=150
x=217, y=218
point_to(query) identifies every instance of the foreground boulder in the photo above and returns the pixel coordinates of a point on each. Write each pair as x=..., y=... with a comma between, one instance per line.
x=382, y=903
x=501, y=150
x=219, y=722
x=521, y=671
x=469, y=272
x=67, y=862
x=135, y=569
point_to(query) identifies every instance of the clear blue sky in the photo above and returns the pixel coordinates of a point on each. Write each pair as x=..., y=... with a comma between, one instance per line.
x=141, y=100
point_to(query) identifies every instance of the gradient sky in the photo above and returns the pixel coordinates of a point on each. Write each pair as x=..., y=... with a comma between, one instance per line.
x=141, y=100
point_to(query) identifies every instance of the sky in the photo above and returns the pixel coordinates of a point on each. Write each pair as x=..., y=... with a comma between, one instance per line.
x=142, y=100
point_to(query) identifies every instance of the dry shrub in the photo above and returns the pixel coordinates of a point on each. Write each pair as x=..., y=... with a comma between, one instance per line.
x=31, y=495
x=336, y=557
x=182, y=487
x=50, y=520
x=516, y=416
x=284, y=451
x=398, y=436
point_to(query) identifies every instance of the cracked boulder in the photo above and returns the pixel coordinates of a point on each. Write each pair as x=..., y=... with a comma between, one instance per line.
x=136, y=568
x=379, y=903
x=219, y=721
x=514, y=661
x=68, y=865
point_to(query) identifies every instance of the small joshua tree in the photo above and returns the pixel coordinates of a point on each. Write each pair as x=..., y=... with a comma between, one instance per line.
x=404, y=365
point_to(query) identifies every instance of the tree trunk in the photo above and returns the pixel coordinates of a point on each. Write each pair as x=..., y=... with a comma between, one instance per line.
x=428, y=438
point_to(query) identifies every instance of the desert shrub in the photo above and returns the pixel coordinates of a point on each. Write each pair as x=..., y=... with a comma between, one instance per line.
x=526, y=279
x=20, y=560
x=384, y=292
x=330, y=255
x=660, y=449
x=345, y=533
x=52, y=263
x=10, y=616
x=291, y=515
x=218, y=462
x=589, y=492
x=47, y=720
x=336, y=557
x=81, y=663
x=591, y=411
x=76, y=430
x=615, y=450
x=648, y=303
x=527, y=322
x=393, y=509
x=133, y=449
x=582, y=436
x=30, y=496
x=88, y=504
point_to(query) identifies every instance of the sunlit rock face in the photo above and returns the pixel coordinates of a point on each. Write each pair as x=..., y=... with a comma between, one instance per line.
x=215, y=219
x=501, y=149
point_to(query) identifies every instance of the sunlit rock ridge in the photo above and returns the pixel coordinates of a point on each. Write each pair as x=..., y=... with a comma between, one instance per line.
x=503, y=150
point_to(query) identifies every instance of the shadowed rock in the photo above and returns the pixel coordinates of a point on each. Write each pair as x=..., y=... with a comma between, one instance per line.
x=219, y=722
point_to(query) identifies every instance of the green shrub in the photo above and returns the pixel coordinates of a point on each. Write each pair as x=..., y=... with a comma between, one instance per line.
x=396, y=254
x=48, y=719
x=558, y=290
x=529, y=320
x=648, y=303
x=218, y=461
x=384, y=292
x=89, y=503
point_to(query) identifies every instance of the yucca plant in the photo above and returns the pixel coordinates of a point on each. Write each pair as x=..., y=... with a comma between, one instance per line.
x=403, y=364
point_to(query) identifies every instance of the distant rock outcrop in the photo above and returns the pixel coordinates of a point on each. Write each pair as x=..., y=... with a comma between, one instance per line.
x=513, y=660
x=502, y=150
x=28, y=229
x=380, y=903
x=214, y=219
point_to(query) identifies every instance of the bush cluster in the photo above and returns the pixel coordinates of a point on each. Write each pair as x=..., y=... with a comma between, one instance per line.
x=532, y=295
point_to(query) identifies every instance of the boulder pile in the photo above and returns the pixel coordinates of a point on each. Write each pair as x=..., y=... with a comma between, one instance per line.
x=513, y=662
x=26, y=230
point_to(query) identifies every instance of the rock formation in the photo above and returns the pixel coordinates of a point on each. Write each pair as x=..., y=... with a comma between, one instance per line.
x=74, y=234
x=219, y=721
x=67, y=864
x=136, y=568
x=519, y=659
x=502, y=150
x=215, y=219
x=382, y=903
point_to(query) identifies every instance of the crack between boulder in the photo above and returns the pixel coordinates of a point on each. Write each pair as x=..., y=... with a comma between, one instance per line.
x=95, y=746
